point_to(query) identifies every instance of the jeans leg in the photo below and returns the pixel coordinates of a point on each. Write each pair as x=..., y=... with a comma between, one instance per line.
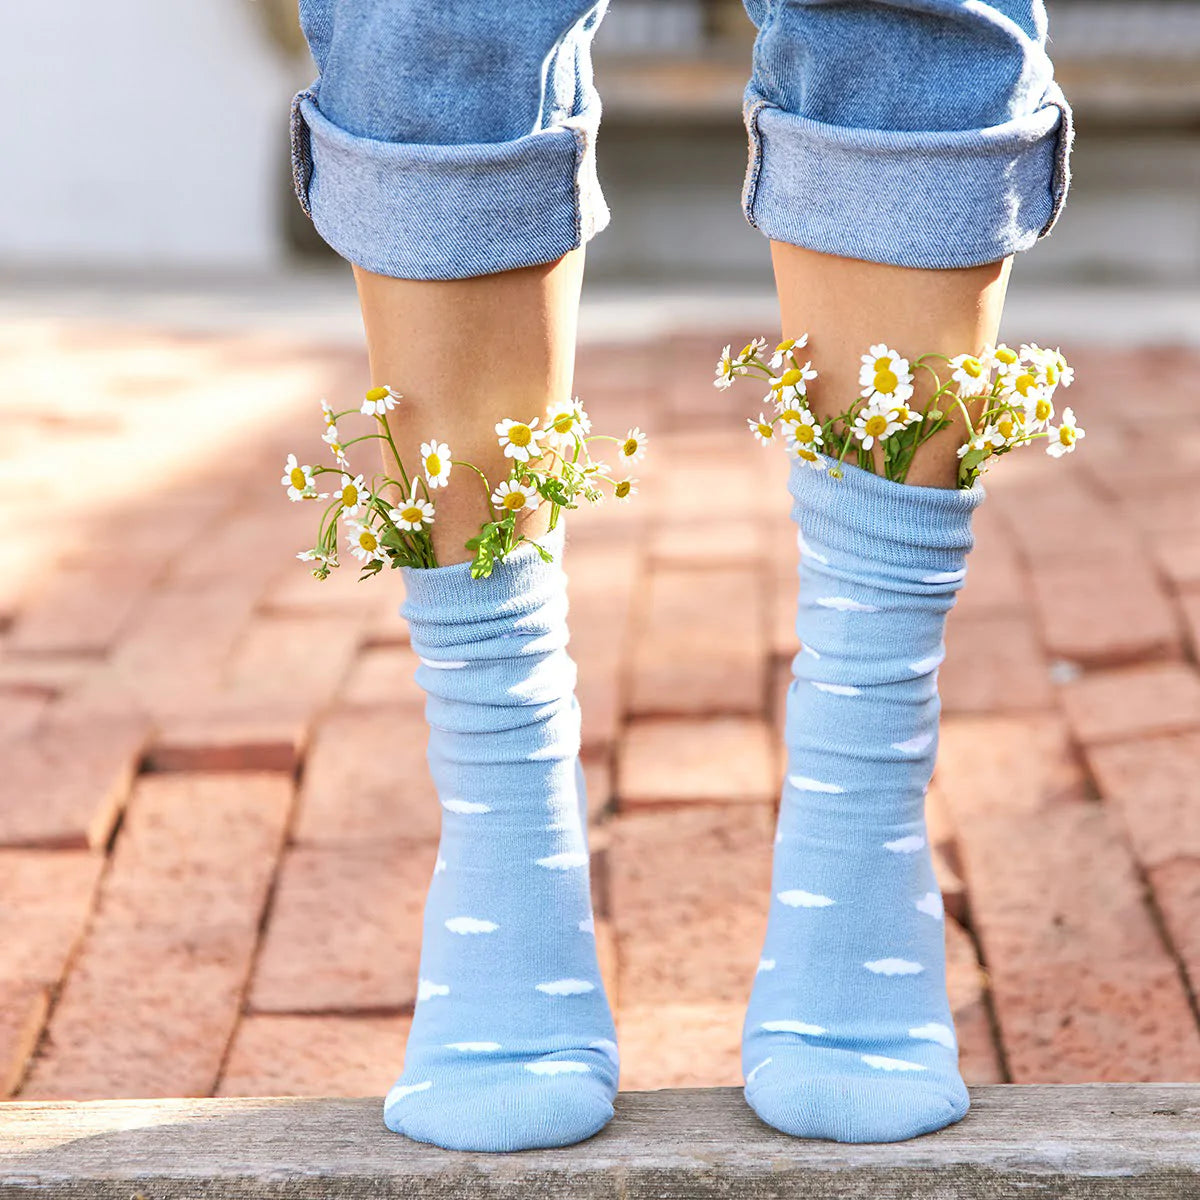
x=922, y=133
x=448, y=140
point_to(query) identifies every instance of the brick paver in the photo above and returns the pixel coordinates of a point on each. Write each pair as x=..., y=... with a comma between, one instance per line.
x=215, y=933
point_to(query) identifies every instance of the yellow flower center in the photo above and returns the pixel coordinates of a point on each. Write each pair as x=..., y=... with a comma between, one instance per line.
x=791, y=378
x=299, y=482
x=875, y=425
x=367, y=540
x=804, y=433
x=520, y=435
x=886, y=380
x=563, y=422
x=805, y=453
x=901, y=413
x=1066, y=435
x=1051, y=376
x=1024, y=382
x=514, y=501
x=433, y=465
x=1042, y=410
x=412, y=514
x=973, y=367
x=766, y=430
x=377, y=394
x=791, y=416
x=630, y=447
x=883, y=364
x=1006, y=356
x=622, y=489
x=747, y=350
x=349, y=496
x=1005, y=426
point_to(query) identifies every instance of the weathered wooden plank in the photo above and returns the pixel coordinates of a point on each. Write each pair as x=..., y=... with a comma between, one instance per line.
x=1099, y=1141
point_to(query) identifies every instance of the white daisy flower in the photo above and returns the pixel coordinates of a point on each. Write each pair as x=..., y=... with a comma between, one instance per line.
x=989, y=438
x=1039, y=409
x=804, y=431
x=725, y=365
x=318, y=555
x=1051, y=366
x=786, y=347
x=1020, y=382
x=435, y=462
x=763, y=430
x=634, y=446
x=792, y=384
x=874, y=422
x=364, y=543
x=971, y=375
x=1011, y=426
x=413, y=514
x=353, y=494
x=807, y=453
x=884, y=373
x=624, y=489
x=378, y=401
x=299, y=481
x=1063, y=439
x=327, y=412
x=518, y=440
x=332, y=438
x=905, y=416
x=752, y=349
x=566, y=419
x=515, y=497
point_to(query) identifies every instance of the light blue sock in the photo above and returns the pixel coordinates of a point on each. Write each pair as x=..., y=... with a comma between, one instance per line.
x=849, y=1034
x=512, y=1044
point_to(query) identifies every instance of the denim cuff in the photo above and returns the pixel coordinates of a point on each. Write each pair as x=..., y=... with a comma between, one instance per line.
x=447, y=212
x=913, y=199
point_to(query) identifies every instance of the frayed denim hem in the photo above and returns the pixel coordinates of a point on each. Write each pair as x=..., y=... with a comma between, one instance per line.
x=934, y=200
x=448, y=212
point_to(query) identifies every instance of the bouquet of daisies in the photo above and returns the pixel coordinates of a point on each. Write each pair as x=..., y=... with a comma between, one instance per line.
x=386, y=520
x=1006, y=398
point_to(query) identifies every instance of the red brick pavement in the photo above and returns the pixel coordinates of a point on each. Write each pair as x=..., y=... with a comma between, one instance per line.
x=215, y=825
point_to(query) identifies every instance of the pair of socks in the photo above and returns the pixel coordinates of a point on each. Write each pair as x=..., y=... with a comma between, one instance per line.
x=848, y=1033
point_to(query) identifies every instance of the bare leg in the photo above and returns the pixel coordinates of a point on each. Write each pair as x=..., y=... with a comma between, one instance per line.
x=846, y=304
x=465, y=354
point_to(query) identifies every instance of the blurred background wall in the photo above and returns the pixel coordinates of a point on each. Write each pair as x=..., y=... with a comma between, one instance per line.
x=150, y=135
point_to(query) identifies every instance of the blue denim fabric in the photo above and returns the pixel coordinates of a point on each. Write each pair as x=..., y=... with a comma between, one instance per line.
x=442, y=141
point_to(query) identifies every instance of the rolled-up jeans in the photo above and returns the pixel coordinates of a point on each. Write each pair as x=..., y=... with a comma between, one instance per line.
x=445, y=139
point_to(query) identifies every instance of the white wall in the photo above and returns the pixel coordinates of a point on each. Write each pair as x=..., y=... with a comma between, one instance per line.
x=140, y=134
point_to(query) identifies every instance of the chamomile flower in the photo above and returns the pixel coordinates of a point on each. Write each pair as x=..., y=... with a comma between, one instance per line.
x=752, y=349
x=333, y=439
x=1051, y=366
x=725, y=370
x=299, y=480
x=971, y=374
x=327, y=412
x=1063, y=439
x=435, y=462
x=786, y=347
x=1039, y=409
x=1010, y=424
x=318, y=555
x=1021, y=382
x=567, y=419
x=806, y=452
x=353, y=494
x=364, y=543
x=624, y=489
x=904, y=416
x=885, y=375
x=413, y=514
x=1000, y=357
x=804, y=431
x=763, y=430
x=515, y=497
x=379, y=401
x=519, y=440
x=633, y=447
x=875, y=421
x=792, y=384
x=987, y=439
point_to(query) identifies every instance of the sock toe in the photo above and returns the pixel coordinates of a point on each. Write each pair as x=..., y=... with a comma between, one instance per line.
x=500, y=1112
x=853, y=1108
